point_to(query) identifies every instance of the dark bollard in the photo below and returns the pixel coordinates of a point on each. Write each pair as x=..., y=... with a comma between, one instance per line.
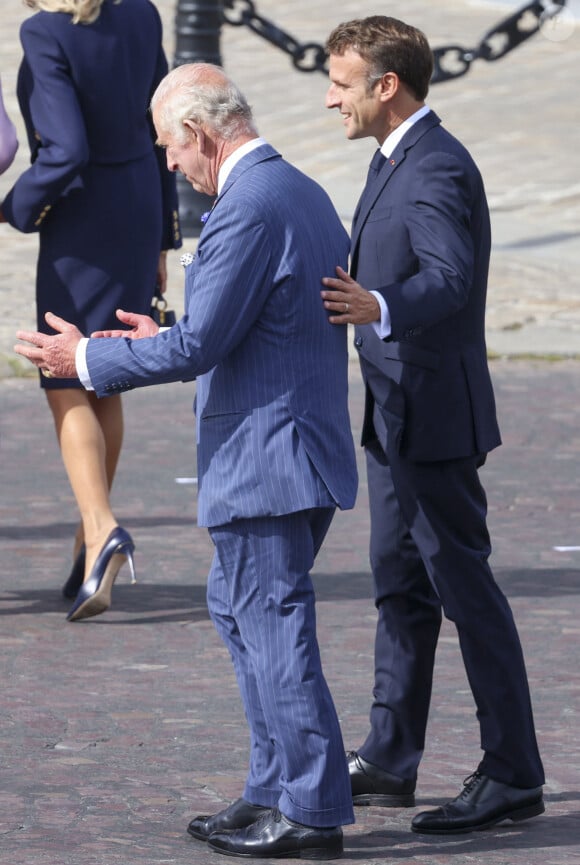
x=197, y=40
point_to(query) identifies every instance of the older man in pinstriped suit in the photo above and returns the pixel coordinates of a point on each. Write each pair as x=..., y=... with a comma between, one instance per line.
x=275, y=451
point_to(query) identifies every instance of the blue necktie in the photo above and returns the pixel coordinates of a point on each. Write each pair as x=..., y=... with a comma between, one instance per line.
x=377, y=163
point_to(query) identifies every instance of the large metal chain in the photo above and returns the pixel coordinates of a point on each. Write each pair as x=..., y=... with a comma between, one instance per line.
x=450, y=61
x=307, y=57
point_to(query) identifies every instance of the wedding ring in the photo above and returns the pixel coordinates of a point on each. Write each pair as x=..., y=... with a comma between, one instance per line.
x=47, y=373
x=346, y=307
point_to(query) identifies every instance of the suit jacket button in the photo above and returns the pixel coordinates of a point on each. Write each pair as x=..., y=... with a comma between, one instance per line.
x=358, y=341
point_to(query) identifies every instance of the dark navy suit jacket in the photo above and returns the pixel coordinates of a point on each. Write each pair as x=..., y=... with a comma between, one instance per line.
x=424, y=244
x=75, y=112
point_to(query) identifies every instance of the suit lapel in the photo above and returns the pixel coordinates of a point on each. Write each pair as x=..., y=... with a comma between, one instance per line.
x=371, y=193
x=398, y=156
x=259, y=154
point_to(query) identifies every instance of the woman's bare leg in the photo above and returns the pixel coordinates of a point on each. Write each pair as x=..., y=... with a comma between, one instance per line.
x=109, y=412
x=90, y=437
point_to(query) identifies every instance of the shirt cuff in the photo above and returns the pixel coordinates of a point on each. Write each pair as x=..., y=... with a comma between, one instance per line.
x=81, y=364
x=382, y=328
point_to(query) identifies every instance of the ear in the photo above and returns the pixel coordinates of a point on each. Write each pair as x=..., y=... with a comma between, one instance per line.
x=196, y=132
x=389, y=86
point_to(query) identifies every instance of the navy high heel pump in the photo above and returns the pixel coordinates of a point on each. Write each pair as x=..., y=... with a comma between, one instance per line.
x=71, y=588
x=94, y=596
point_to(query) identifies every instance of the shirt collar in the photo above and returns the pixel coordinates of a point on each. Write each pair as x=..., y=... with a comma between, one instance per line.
x=234, y=158
x=395, y=136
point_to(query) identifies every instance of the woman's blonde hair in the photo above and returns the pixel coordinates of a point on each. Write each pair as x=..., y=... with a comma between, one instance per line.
x=82, y=11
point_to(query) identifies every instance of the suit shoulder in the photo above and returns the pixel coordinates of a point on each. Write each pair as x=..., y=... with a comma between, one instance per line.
x=37, y=23
x=443, y=139
x=301, y=193
x=302, y=183
x=41, y=21
x=438, y=143
x=273, y=178
x=55, y=27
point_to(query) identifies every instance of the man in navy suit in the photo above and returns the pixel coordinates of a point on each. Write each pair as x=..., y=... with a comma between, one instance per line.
x=275, y=450
x=416, y=292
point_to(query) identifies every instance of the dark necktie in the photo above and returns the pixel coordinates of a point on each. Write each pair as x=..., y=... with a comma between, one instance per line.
x=377, y=163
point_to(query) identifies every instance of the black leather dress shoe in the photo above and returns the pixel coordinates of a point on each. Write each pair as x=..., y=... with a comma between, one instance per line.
x=238, y=815
x=481, y=804
x=274, y=836
x=371, y=785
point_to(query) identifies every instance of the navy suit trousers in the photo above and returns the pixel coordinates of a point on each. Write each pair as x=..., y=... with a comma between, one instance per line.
x=261, y=600
x=429, y=554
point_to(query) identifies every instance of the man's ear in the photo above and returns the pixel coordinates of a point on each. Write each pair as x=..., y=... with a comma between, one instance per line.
x=196, y=132
x=388, y=85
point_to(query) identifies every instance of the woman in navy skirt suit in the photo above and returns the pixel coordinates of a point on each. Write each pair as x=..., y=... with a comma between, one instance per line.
x=105, y=207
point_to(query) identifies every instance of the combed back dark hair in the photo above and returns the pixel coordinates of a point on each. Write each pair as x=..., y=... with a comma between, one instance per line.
x=387, y=45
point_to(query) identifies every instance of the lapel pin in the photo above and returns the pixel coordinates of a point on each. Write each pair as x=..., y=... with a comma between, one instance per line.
x=186, y=259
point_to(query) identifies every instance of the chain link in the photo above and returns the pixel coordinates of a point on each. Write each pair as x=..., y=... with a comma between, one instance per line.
x=310, y=57
x=450, y=61
x=454, y=61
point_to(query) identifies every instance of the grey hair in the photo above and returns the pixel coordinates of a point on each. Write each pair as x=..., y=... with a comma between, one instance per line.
x=203, y=93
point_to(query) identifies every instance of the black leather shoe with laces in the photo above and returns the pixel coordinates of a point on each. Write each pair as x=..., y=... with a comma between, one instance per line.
x=481, y=804
x=274, y=836
x=238, y=815
x=371, y=785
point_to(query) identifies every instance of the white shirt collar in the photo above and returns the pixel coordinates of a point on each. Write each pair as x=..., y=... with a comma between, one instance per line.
x=234, y=158
x=395, y=136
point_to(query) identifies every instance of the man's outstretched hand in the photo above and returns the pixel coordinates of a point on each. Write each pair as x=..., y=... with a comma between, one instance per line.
x=53, y=354
x=139, y=326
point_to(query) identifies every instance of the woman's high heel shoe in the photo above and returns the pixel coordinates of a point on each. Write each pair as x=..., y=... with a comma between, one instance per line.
x=71, y=588
x=94, y=596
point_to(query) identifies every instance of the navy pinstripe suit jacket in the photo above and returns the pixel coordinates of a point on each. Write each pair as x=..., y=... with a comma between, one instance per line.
x=272, y=419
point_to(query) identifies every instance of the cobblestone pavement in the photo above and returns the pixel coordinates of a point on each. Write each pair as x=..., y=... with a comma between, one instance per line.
x=116, y=730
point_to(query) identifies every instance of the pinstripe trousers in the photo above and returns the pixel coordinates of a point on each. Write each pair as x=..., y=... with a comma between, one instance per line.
x=261, y=600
